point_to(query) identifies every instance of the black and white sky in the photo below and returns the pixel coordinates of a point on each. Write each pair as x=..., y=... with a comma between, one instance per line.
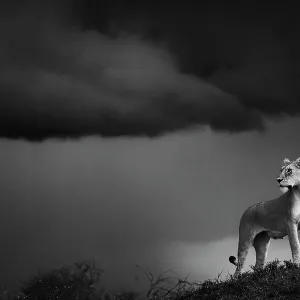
x=137, y=133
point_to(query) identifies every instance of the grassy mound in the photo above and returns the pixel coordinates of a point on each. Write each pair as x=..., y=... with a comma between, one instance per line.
x=275, y=281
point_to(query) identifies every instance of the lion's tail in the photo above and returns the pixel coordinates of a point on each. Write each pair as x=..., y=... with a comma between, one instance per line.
x=232, y=259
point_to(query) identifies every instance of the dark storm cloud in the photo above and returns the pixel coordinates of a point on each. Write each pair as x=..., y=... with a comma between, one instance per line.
x=57, y=80
x=60, y=77
x=248, y=50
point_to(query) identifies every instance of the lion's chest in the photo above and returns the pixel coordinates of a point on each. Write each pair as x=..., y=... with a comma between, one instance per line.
x=294, y=209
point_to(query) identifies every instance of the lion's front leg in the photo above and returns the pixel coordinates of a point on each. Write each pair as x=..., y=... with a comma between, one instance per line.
x=292, y=231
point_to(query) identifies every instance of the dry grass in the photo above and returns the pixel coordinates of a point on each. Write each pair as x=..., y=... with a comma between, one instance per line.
x=275, y=281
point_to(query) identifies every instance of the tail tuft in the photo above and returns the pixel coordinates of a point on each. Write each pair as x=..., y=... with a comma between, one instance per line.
x=232, y=259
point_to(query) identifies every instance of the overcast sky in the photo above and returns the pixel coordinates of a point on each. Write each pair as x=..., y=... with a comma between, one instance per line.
x=138, y=134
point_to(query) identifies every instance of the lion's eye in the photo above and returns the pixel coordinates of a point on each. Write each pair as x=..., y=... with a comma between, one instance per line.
x=289, y=171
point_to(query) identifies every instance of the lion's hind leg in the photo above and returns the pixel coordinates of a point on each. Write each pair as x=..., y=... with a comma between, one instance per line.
x=246, y=238
x=261, y=244
x=243, y=250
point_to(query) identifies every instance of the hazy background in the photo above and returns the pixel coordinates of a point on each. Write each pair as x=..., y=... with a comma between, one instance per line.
x=137, y=134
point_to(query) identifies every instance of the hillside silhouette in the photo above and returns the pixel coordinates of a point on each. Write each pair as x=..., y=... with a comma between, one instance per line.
x=82, y=281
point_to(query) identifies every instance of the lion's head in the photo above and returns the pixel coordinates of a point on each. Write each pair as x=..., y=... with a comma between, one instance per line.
x=289, y=174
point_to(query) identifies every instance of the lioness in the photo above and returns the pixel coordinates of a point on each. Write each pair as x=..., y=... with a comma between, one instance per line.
x=272, y=219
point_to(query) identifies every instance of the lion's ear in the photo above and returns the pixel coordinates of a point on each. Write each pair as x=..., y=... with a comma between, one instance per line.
x=286, y=162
